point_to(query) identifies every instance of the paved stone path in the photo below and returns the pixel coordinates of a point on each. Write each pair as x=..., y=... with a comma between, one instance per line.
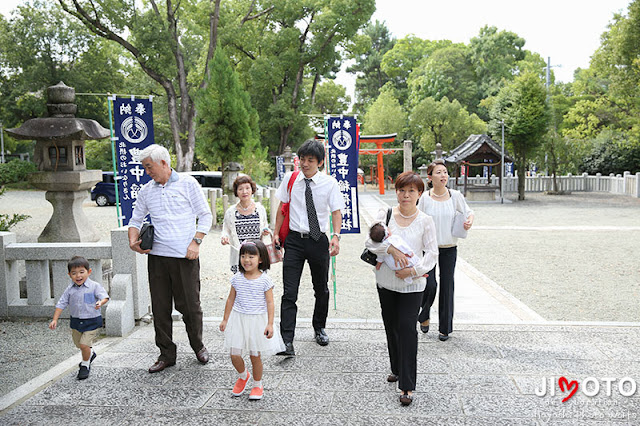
x=483, y=375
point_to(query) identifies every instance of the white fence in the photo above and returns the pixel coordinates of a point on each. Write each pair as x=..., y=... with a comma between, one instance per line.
x=626, y=184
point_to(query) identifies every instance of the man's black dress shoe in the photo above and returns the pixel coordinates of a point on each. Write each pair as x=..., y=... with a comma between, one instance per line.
x=443, y=337
x=321, y=337
x=160, y=365
x=424, y=328
x=203, y=356
x=392, y=378
x=288, y=351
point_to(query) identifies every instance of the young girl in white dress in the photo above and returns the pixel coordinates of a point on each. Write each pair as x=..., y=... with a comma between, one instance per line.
x=248, y=317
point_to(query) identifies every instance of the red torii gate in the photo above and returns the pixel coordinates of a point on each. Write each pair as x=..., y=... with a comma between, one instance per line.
x=379, y=140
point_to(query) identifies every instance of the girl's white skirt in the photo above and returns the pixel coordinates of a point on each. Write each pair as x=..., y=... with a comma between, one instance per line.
x=245, y=334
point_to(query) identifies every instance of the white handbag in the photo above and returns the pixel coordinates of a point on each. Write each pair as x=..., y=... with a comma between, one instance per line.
x=457, y=229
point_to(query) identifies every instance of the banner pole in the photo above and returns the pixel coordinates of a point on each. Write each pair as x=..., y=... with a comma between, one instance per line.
x=333, y=258
x=113, y=160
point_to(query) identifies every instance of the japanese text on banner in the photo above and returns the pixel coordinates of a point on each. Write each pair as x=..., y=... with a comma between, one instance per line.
x=342, y=160
x=133, y=127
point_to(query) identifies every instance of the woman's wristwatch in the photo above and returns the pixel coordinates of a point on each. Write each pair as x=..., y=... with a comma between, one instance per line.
x=335, y=234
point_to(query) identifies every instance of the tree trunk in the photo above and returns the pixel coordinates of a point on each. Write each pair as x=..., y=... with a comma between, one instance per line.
x=284, y=137
x=184, y=146
x=522, y=173
x=554, y=167
x=316, y=79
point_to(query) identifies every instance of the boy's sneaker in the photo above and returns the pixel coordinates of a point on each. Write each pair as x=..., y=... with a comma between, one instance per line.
x=83, y=373
x=256, y=393
x=240, y=385
x=93, y=356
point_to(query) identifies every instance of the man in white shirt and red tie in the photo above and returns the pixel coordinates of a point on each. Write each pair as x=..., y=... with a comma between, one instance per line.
x=314, y=197
x=174, y=202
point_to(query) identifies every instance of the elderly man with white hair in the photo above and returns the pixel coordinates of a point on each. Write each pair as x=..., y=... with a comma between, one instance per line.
x=174, y=202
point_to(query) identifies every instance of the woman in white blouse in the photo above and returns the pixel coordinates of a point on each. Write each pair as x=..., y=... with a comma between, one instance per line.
x=441, y=204
x=244, y=221
x=399, y=300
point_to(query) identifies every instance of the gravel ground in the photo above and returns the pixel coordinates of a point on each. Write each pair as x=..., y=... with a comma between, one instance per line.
x=28, y=348
x=576, y=273
x=571, y=274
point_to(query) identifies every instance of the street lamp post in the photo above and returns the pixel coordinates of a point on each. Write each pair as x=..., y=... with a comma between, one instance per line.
x=502, y=167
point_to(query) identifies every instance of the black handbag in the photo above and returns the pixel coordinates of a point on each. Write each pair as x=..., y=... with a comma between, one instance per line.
x=367, y=255
x=146, y=236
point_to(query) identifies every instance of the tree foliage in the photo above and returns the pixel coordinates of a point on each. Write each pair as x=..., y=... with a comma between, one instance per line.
x=445, y=122
x=385, y=116
x=227, y=121
x=41, y=46
x=368, y=51
x=523, y=108
x=495, y=55
x=612, y=152
x=446, y=72
x=399, y=62
x=294, y=41
x=166, y=41
x=330, y=98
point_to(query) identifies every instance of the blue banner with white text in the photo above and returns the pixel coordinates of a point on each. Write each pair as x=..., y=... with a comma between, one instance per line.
x=133, y=129
x=343, y=151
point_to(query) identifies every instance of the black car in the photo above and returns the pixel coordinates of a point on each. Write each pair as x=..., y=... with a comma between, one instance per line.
x=104, y=193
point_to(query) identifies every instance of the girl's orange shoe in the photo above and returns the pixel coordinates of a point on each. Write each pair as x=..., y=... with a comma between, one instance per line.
x=240, y=385
x=256, y=393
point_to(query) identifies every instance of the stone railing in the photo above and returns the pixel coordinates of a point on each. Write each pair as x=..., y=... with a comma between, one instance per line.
x=627, y=184
x=45, y=269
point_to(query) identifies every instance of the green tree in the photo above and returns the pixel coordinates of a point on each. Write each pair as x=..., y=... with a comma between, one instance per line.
x=172, y=43
x=227, y=120
x=446, y=72
x=385, y=116
x=618, y=57
x=612, y=151
x=255, y=159
x=330, y=98
x=587, y=118
x=367, y=51
x=523, y=107
x=495, y=55
x=295, y=40
x=399, y=62
x=41, y=45
x=445, y=122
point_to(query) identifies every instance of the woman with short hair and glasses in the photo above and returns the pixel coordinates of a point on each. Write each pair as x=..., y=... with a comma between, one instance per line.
x=400, y=300
x=442, y=203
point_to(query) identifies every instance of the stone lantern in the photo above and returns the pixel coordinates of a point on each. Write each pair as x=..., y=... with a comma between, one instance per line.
x=423, y=171
x=62, y=171
x=439, y=153
x=288, y=159
x=233, y=170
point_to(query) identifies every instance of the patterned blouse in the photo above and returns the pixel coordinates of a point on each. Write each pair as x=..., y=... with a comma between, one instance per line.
x=247, y=228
